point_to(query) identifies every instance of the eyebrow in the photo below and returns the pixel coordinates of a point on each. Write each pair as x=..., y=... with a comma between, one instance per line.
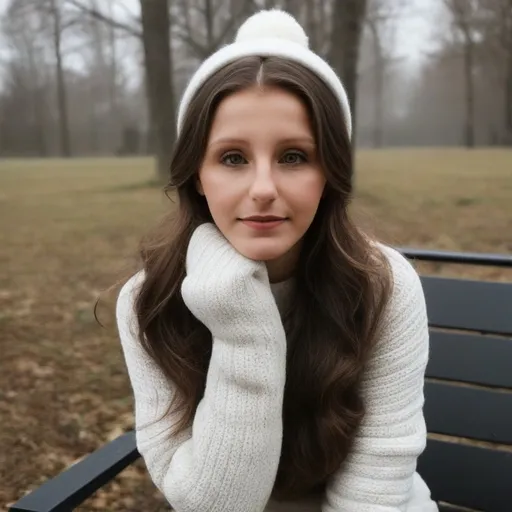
x=287, y=140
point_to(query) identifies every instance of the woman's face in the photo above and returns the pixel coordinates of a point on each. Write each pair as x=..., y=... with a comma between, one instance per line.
x=261, y=176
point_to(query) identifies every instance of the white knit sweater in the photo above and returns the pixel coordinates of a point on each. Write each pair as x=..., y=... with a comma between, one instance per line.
x=227, y=461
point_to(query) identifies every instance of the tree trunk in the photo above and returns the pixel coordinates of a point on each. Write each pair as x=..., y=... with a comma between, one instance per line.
x=208, y=19
x=159, y=90
x=508, y=93
x=113, y=89
x=465, y=17
x=469, y=130
x=38, y=102
x=379, y=71
x=508, y=84
x=96, y=84
x=105, y=58
x=65, y=144
x=347, y=29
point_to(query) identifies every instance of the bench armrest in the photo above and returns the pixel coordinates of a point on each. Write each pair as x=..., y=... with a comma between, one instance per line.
x=80, y=481
x=467, y=258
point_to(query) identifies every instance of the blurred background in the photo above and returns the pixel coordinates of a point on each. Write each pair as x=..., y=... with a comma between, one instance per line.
x=88, y=94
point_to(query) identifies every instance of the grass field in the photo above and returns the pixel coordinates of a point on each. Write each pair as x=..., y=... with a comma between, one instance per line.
x=69, y=229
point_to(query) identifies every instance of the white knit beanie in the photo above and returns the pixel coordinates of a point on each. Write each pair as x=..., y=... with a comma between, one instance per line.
x=268, y=33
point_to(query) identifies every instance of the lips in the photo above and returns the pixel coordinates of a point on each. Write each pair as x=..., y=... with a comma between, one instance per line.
x=264, y=218
x=263, y=223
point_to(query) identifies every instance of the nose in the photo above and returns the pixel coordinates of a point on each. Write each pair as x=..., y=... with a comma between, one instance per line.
x=263, y=187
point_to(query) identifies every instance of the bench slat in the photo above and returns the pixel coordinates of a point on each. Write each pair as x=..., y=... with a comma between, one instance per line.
x=480, y=414
x=470, y=358
x=468, y=475
x=471, y=305
x=73, y=486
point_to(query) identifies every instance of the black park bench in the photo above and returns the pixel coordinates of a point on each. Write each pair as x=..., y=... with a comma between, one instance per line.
x=468, y=460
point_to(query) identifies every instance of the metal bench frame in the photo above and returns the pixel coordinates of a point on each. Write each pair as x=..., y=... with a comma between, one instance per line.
x=461, y=313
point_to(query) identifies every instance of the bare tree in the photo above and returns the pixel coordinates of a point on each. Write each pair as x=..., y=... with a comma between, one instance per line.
x=131, y=27
x=348, y=23
x=25, y=75
x=31, y=121
x=379, y=72
x=506, y=42
x=54, y=8
x=157, y=55
x=104, y=75
x=381, y=19
x=205, y=25
x=51, y=24
x=497, y=39
x=153, y=31
x=465, y=18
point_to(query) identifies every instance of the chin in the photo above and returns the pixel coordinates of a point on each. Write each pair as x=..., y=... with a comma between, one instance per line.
x=262, y=253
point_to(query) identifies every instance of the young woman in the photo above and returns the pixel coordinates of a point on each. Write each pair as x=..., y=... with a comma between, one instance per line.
x=276, y=352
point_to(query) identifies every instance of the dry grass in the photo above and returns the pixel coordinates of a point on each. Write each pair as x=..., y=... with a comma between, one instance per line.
x=444, y=199
x=69, y=230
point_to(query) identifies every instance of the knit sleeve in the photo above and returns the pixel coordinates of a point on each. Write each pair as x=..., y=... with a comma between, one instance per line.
x=378, y=474
x=227, y=461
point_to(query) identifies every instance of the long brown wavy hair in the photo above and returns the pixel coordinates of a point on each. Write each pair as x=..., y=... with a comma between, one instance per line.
x=343, y=285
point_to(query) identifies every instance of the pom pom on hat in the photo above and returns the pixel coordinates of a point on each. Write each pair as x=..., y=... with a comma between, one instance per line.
x=272, y=23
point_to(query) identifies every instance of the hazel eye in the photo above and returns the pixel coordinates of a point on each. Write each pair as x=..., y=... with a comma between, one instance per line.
x=294, y=158
x=233, y=159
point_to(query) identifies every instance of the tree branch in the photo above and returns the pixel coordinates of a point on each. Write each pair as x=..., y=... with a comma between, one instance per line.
x=244, y=6
x=184, y=29
x=106, y=19
x=183, y=26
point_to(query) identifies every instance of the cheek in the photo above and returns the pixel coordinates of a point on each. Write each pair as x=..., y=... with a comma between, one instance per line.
x=222, y=200
x=214, y=187
x=305, y=198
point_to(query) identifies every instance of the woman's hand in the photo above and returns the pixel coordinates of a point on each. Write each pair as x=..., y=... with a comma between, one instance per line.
x=220, y=280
